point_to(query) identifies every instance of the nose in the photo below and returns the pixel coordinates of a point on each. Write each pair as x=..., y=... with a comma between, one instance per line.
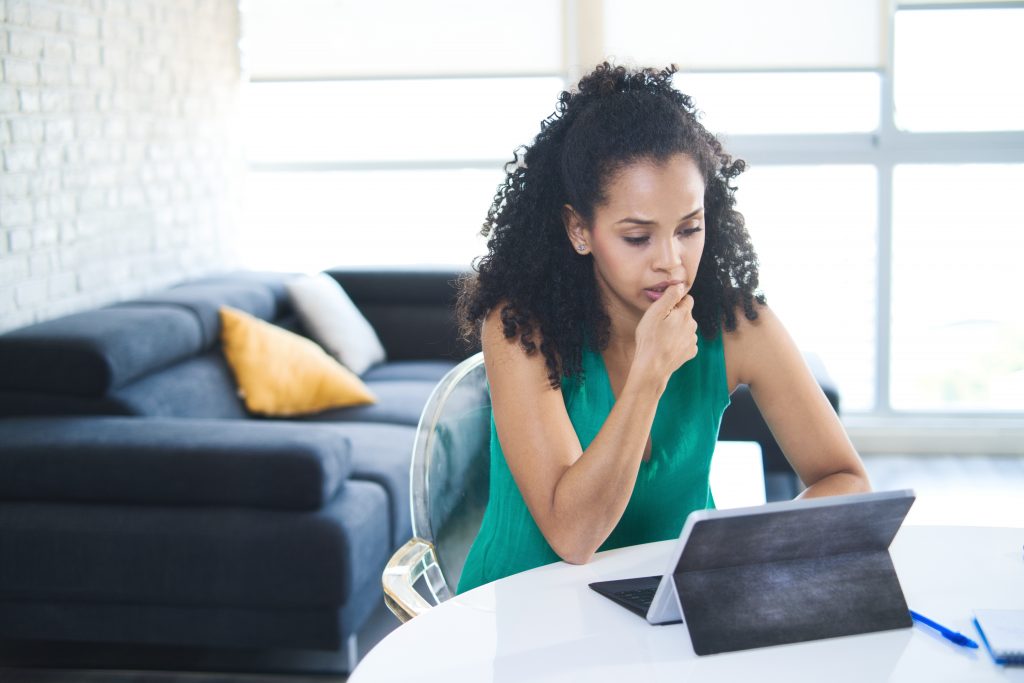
x=668, y=255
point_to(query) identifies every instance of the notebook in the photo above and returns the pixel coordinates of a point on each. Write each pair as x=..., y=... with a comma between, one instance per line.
x=778, y=573
x=1002, y=631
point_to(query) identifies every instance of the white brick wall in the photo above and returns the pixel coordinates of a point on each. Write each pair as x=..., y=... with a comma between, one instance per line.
x=118, y=151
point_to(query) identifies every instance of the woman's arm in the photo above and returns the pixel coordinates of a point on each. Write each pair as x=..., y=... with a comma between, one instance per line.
x=762, y=355
x=576, y=501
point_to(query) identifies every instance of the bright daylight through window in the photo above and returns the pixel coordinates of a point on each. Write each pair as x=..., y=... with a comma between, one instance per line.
x=882, y=193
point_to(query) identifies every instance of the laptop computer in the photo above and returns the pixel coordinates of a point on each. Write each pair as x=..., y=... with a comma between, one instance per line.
x=781, y=572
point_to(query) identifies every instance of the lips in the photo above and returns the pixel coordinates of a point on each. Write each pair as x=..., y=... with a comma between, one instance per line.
x=654, y=292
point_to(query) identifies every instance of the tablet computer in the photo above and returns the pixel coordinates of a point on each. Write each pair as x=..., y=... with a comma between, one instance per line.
x=776, y=573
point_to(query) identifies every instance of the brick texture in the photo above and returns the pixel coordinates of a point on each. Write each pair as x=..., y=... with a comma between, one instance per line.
x=119, y=159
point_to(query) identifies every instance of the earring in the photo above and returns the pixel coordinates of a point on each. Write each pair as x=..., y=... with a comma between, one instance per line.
x=582, y=248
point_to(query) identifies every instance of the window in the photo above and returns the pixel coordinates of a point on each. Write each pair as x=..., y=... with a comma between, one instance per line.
x=745, y=35
x=311, y=220
x=376, y=132
x=785, y=103
x=957, y=331
x=472, y=120
x=376, y=172
x=814, y=228
x=960, y=69
x=355, y=39
x=885, y=148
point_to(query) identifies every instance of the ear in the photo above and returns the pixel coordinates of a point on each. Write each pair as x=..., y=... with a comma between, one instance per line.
x=576, y=230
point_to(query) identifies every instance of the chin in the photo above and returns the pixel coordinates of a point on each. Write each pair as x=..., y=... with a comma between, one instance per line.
x=642, y=304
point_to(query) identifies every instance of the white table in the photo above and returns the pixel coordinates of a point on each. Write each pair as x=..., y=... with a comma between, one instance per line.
x=547, y=625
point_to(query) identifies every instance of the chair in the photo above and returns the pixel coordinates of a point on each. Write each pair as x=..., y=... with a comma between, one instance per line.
x=449, y=485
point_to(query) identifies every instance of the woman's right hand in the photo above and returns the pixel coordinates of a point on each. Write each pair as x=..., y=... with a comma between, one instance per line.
x=666, y=336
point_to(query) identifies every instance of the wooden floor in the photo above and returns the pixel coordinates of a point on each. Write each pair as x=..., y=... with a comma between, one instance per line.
x=972, y=490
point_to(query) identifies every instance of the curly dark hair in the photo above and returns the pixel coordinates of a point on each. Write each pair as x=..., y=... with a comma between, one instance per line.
x=615, y=117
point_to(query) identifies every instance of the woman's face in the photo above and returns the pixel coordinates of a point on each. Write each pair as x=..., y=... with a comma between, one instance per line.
x=648, y=234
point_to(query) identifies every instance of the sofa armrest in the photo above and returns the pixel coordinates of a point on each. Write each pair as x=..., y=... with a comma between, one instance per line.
x=412, y=310
x=160, y=461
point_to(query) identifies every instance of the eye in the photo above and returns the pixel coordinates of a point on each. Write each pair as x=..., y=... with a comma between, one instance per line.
x=686, y=232
x=636, y=241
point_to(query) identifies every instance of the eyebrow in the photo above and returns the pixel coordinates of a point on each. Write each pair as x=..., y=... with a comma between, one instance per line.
x=641, y=221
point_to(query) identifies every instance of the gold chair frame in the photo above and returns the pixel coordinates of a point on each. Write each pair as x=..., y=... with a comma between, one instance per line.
x=450, y=458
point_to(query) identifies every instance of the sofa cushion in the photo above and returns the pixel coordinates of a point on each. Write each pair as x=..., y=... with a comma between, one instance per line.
x=421, y=370
x=272, y=280
x=282, y=374
x=201, y=386
x=398, y=402
x=148, y=554
x=106, y=627
x=171, y=462
x=381, y=454
x=334, y=321
x=204, y=299
x=14, y=403
x=397, y=300
x=87, y=354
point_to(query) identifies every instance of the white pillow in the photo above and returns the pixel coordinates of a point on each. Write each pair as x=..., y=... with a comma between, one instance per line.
x=331, y=318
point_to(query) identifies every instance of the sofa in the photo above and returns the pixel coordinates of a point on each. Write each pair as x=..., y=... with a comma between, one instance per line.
x=142, y=506
x=141, y=503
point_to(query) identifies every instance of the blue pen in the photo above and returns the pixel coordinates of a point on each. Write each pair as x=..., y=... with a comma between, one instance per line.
x=958, y=638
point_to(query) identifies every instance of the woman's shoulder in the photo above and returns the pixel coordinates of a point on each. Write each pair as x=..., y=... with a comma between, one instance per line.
x=497, y=323
x=502, y=333
x=752, y=343
x=745, y=327
x=509, y=362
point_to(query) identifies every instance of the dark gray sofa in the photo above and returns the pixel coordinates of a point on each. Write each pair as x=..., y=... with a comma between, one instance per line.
x=141, y=504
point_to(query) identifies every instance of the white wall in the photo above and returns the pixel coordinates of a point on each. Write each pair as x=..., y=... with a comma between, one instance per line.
x=119, y=165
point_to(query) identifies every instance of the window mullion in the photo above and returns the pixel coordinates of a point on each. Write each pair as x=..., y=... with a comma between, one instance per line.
x=883, y=315
x=887, y=136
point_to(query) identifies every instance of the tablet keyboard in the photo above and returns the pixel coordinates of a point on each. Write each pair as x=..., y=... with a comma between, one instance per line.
x=640, y=597
x=635, y=595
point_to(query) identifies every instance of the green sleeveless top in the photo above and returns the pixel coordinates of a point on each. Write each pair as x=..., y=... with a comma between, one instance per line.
x=669, y=486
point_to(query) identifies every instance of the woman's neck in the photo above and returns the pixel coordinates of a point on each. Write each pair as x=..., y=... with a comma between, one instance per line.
x=621, y=337
x=622, y=322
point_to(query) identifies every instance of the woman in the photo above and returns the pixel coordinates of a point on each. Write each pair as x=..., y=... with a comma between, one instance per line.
x=617, y=310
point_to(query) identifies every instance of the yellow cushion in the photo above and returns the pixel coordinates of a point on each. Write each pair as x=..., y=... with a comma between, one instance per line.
x=281, y=373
